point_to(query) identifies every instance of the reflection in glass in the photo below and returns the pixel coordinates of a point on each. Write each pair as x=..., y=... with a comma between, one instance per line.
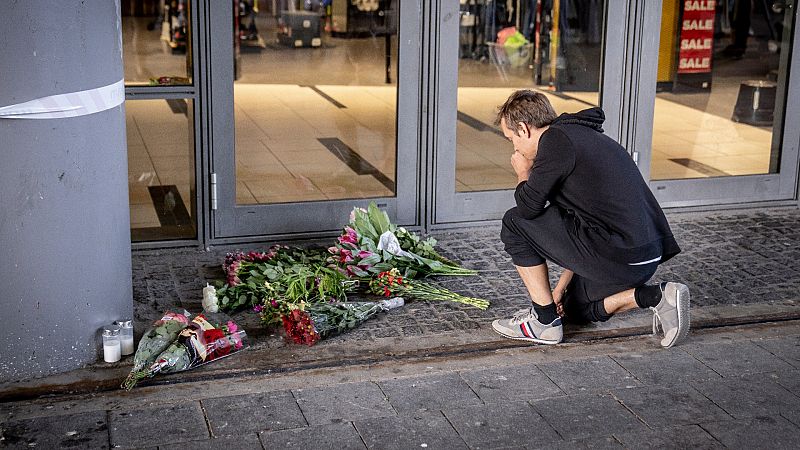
x=552, y=46
x=161, y=180
x=156, y=42
x=315, y=100
x=722, y=71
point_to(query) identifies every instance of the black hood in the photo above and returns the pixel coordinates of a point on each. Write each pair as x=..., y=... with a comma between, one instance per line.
x=592, y=118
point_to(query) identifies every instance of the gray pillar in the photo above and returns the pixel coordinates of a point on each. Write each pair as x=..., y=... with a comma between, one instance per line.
x=65, y=258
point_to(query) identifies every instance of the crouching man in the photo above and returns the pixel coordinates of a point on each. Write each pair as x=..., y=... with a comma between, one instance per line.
x=582, y=204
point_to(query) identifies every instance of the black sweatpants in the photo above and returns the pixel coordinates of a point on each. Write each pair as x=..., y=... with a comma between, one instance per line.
x=552, y=236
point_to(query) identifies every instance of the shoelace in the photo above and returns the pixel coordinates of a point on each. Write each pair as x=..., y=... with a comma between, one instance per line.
x=523, y=315
x=656, y=320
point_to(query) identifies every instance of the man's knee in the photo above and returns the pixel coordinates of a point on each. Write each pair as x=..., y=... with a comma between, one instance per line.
x=510, y=232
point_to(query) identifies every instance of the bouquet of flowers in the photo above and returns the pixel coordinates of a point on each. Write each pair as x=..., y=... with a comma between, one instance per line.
x=163, y=332
x=371, y=233
x=318, y=321
x=262, y=280
x=198, y=343
x=392, y=283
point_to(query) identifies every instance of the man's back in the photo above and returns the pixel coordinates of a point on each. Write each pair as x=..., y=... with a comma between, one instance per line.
x=590, y=176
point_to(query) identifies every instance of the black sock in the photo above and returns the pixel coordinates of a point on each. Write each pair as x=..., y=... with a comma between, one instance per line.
x=648, y=296
x=547, y=314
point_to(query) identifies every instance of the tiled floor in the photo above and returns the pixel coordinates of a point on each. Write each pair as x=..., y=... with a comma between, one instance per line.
x=681, y=132
x=280, y=159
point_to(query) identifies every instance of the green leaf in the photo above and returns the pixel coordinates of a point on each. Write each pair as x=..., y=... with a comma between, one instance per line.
x=365, y=228
x=358, y=272
x=379, y=218
x=370, y=260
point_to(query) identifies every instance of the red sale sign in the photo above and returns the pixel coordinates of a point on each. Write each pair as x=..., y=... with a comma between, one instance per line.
x=696, y=36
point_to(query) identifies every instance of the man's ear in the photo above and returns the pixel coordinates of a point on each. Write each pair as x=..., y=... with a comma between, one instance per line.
x=524, y=129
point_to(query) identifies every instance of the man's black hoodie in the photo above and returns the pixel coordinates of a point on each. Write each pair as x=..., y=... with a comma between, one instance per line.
x=598, y=188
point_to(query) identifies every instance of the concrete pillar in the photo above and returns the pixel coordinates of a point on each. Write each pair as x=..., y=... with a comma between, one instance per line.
x=65, y=258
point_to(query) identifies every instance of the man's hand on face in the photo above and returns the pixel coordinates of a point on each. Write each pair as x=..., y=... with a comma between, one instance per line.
x=522, y=166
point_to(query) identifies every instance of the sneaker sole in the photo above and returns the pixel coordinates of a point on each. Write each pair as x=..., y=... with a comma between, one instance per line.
x=682, y=301
x=535, y=340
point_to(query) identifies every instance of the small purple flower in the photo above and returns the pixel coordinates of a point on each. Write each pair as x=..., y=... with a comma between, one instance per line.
x=258, y=308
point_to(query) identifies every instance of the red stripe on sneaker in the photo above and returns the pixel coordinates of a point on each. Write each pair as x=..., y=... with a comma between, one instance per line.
x=528, y=324
x=525, y=331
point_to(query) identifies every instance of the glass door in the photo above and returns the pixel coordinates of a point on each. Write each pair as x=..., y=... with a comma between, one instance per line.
x=314, y=111
x=488, y=49
x=726, y=92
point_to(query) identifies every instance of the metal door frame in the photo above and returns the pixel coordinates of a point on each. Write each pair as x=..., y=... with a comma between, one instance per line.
x=451, y=208
x=232, y=223
x=704, y=192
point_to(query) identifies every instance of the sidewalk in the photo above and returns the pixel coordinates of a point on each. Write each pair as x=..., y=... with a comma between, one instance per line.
x=734, y=387
x=741, y=267
x=436, y=376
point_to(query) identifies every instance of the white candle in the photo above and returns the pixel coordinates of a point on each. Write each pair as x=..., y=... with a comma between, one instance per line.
x=210, y=300
x=126, y=344
x=112, y=351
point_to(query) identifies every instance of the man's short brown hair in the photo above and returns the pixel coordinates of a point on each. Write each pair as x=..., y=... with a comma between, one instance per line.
x=526, y=106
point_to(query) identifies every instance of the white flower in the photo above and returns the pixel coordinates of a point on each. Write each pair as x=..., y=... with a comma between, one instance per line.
x=210, y=301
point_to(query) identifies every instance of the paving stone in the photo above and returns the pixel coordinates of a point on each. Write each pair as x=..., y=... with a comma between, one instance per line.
x=587, y=415
x=663, y=407
x=253, y=412
x=153, y=426
x=759, y=432
x=343, y=402
x=335, y=436
x=683, y=437
x=750, y=396
x=589, y=375
x=83, y=430
x=433, y=392
x=665, y=367
x=787, y=348
x=593, y=443
x=500, y=425
x=526, y=382
x=425, y=431
x=247, y=441
x=750, y=358
x=789, y=379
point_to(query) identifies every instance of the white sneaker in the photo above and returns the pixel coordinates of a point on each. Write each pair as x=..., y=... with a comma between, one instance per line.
x=672, y=314
x=525, y=326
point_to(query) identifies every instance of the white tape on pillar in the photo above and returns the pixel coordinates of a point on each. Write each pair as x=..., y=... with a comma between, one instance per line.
x=72, y=104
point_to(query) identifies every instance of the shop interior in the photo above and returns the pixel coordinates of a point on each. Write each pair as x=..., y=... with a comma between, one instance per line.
x=316, y=87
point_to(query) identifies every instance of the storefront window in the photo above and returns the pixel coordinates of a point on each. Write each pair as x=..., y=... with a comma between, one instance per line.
x=315, y=100
x=552, y=46
x=156, y=42
x=161, y=181
x=722, y=70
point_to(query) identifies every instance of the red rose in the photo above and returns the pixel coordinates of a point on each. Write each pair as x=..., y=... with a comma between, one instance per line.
x=216, y=343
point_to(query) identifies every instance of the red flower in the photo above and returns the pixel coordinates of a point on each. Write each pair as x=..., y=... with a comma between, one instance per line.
x=300, y=327
x=216, y=343
x=345, y=256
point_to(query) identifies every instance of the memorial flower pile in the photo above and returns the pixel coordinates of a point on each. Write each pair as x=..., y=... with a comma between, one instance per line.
x=306, y=290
